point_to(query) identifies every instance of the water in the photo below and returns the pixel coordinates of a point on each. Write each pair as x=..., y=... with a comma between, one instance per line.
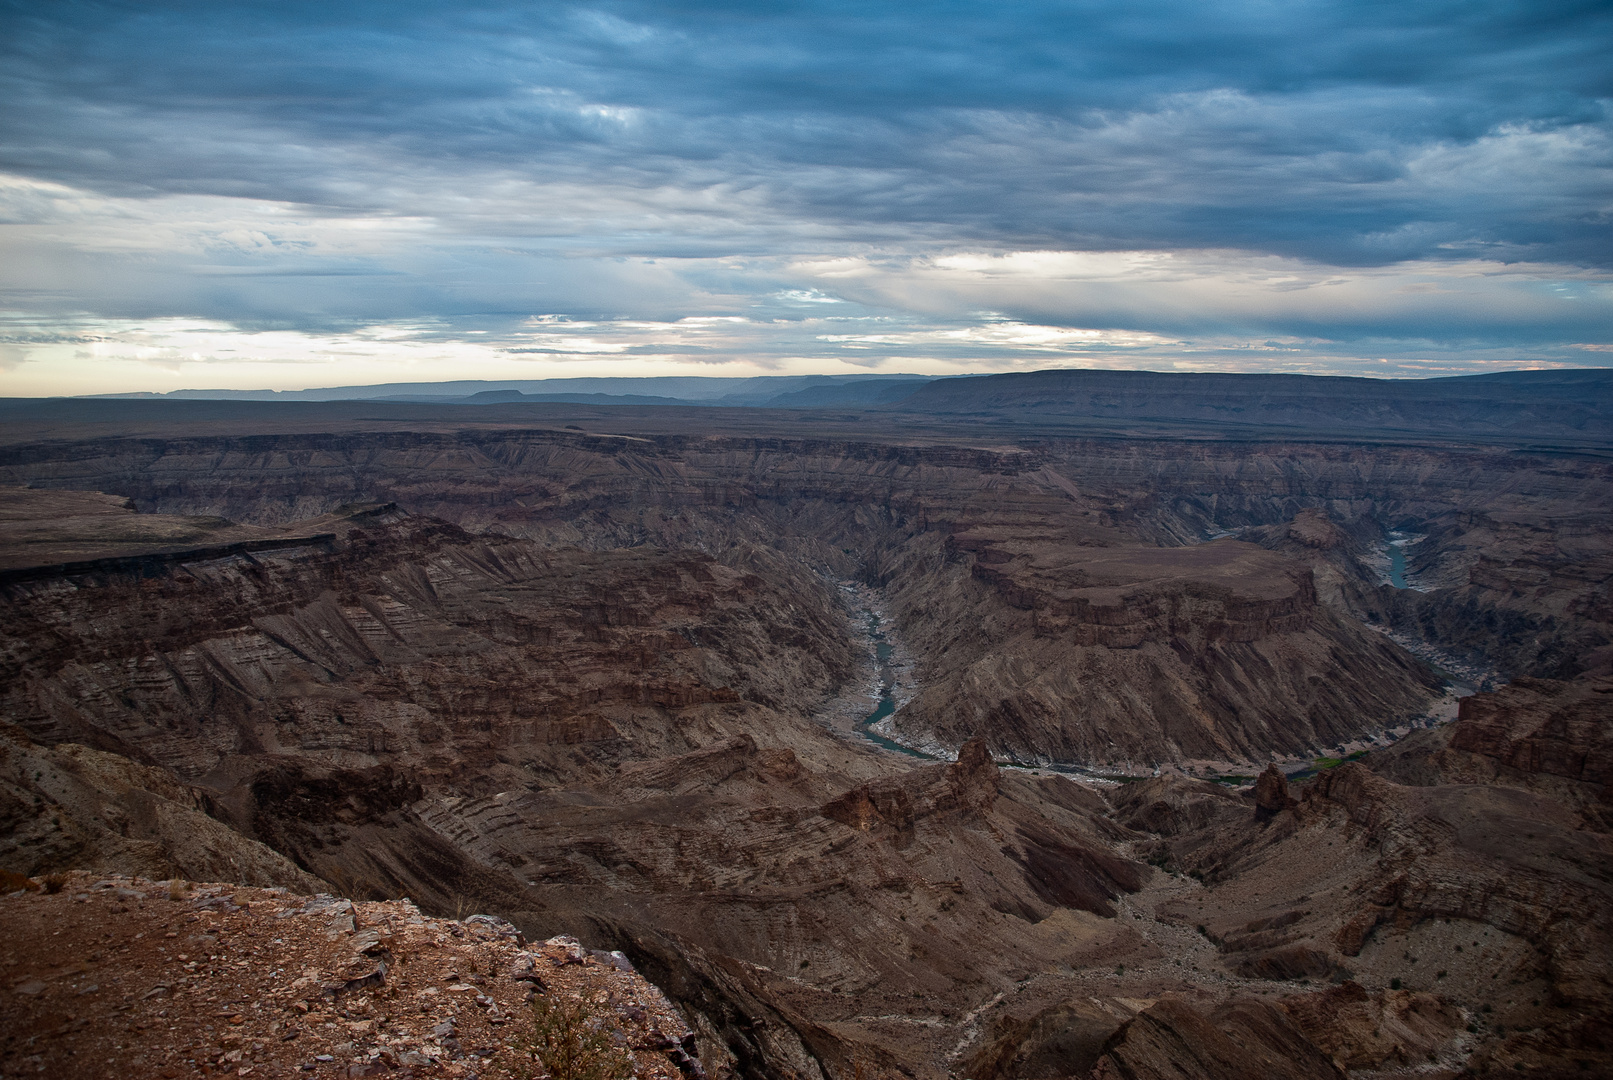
x=1397, y=564
x=1395, y=550
x=887, y=703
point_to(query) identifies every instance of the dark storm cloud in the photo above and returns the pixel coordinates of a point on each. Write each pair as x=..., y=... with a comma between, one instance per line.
x=1352, y=133
x=1311, y=186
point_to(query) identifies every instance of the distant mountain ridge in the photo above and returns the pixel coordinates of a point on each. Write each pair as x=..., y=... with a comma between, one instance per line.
x=1522, y=406
x=1576, y=403
x=761, y=390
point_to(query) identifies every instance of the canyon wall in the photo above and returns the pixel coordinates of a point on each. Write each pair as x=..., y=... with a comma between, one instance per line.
x=581, y=678
x=877, y=510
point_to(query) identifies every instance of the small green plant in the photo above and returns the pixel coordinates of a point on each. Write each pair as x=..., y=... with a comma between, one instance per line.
x=570, y=1040
x=1394, y=984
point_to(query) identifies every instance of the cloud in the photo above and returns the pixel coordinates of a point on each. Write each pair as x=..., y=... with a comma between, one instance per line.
x=1199, y=293
x=1343, y=172
x=1333, y=131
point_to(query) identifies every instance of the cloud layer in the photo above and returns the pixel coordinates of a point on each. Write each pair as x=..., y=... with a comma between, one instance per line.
x=1331, y=185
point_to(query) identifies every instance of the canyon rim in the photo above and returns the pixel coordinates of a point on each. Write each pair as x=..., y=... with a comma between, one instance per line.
x=1026, y=741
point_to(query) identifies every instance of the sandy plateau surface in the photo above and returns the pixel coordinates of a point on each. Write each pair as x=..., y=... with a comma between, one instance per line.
x=123, y=977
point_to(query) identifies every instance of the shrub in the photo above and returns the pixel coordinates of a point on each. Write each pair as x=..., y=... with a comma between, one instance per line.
x=55, y=883
x=11, y=881
x=1394, y=984
x=570, y=1040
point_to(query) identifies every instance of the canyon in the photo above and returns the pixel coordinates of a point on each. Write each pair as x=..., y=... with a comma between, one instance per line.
x=1167, y=779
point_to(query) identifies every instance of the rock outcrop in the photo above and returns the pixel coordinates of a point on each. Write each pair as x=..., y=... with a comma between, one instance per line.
x=183, y=979
x=1272, y=796
x=1391, y=1029
x=68, y=807
x=1239, y=1039
x=1489, y=894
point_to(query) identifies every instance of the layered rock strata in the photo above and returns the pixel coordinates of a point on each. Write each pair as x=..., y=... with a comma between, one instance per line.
x=570, y=677
x=1128, y=655
x=1481, y=878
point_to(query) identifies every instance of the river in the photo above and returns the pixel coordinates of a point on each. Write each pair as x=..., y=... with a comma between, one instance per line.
x=1397, y=563
x=883, y=651
x=865, y=706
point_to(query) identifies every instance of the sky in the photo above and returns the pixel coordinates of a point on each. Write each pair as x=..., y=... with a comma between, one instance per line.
x=287, y=195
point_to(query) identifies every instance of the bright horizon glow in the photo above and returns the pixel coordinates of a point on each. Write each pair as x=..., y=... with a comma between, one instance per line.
x=164, y=355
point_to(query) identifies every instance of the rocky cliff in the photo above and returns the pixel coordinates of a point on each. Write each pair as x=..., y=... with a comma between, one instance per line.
x=1489, y=888
x=177, y=978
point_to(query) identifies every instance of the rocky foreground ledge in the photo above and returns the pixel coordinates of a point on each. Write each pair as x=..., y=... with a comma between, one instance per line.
x=124, y=977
